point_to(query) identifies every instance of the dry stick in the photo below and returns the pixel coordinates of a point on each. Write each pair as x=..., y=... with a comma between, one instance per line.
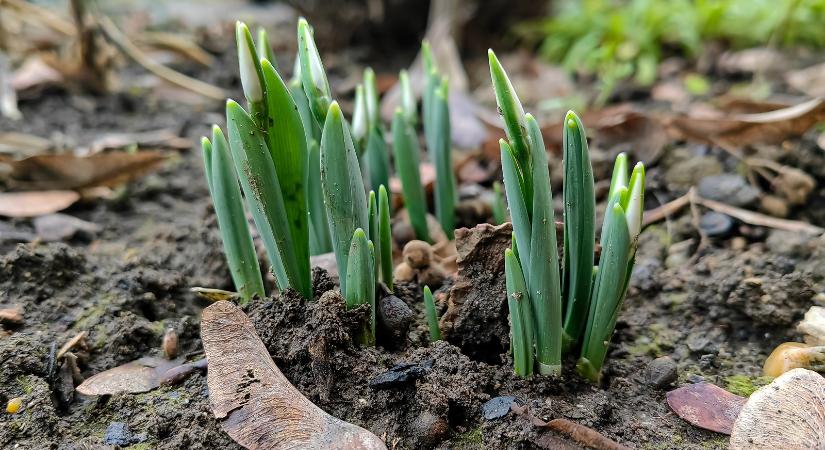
x=750, y=217
x=584, y=435
x=172, y=76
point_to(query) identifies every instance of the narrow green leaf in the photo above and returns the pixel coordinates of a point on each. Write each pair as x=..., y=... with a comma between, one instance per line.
x=360, y=121
x=607, y=295
x=259, y=180
x=407, y=162
x=513, y=114
x=371, y=98
x=206, y=147
x=360, y=276
x=579, y=227
x=343, y=187
x=619, y=178
x=432, y=315
x=377, y=158
x=374, y=230
x=313, y=76
x=408, y=105
x=522, y=227
x=250, y=67
x=286, y=141
x=226, y=197
x=385, y=237
x=518, y=303
x=498, y=207
x=264, y=48
x=634, y=204
x=543, y=278
x=442, y=159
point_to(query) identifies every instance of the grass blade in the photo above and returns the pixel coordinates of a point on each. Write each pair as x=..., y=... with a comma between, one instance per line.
x=343, y=188
x=518, y=304
x=286, y=141
x=407, y=162
x=432, y=315
x=543, y=272
x=385, y=237
x=579, y=228
x=226, y=197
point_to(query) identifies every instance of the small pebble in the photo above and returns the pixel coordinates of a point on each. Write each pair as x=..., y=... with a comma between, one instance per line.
x=118, y=433
x=14, y=405
x=170, y=343
x=399, y=375
x=716, y=224
x=728, y=188
x=394, y=318
x=661, y=372
x=693, y=378
x=498, y=407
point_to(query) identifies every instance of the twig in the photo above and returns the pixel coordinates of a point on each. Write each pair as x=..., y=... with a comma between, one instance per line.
x=170, y=75
x=584, y=435
x=749, y=217
x=704, y=241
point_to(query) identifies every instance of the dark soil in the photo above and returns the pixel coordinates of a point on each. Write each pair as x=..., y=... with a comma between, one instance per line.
x=717, y=313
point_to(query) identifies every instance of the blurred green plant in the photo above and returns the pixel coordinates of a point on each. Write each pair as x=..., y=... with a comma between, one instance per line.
x=619, y=39
x=432, y=315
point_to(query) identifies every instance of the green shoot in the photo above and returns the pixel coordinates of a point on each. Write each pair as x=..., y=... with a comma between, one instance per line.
x=498, y=206
x=579, y=227
x=265, y=49
x=592, y=305
x=520, y=316
x=407, y=161
x=385, y=237
x=226, y=197
x=313, y=76
x=432, y=315
x=374, y=231
x=440, y=153
x=360, y=275
x=408, y=106
x=342, y=187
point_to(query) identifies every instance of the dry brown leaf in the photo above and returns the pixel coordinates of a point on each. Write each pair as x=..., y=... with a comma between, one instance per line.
x=706, y=406
x=57, y=227
x=255, y=404
x=11, y=316
x=134, y=377
x=33, y=204
x=68, y=171
x=35, y=73
x=740, y=130
x=810, y=81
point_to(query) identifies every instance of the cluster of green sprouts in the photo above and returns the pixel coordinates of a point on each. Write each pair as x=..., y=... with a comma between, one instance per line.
x=298, y=163
x=556, y=307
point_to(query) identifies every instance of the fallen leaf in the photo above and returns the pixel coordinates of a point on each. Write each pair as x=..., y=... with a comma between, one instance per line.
x=255, y=404
x=34, y=73
x=57, y=227
x=810, y=81
x=11, y=316
x=581, y=434
x=163, y=138
x=68, y=171
x=134, y=377
x=466, y=130
x=706, y=406
x=21, y=145
x=740, y=130
x=752, y=60
x=37, y=203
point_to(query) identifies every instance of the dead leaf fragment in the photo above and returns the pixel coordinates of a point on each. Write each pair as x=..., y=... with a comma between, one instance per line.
x=11, y=316
x=256, y=405
x=810, y=80
x=57, y=227
x=706, y=406
x=134, y=377
x=33, y=204
x=68, y=171
x=78, y=339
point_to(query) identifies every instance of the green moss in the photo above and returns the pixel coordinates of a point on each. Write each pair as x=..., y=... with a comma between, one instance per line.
x=744, y=385
x=92, y=315
x=469, y=439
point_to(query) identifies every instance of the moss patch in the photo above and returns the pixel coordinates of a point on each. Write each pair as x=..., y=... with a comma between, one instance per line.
x=744, y=385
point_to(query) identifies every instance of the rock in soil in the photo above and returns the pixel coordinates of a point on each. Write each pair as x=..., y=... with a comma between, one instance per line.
x=498, y=407
x=661, y=372
x=716, y=225
x=400, y=374
x=728, y=188
x=394, y=319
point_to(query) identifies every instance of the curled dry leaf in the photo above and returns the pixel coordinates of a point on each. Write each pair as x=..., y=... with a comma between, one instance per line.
x=68, y=171
x=33, y=204
x=789, y=413
x=57, y=227
x=255, y=403
x=794, y=355
x=733, y=130
x=706, y=406
x=134, y=377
